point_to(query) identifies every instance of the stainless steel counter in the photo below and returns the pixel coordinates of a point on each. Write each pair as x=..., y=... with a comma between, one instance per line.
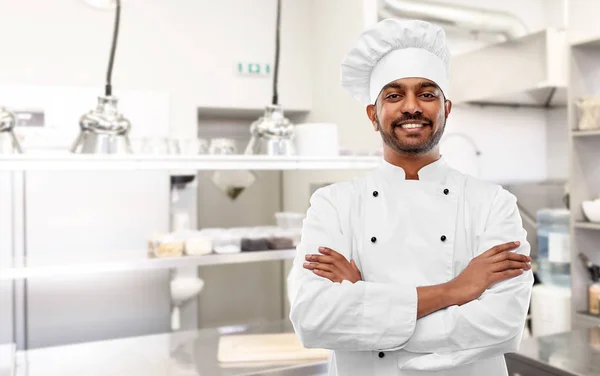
x=576, y=353
x=172, y=354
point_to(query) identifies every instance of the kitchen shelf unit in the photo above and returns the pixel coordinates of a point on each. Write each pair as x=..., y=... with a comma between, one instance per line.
x=136, y=260
x=587, y=319
x=584, y=180
x=24, y=271
x=583, y=134
x=587, y=225
x=119, y=262
x=70, y=162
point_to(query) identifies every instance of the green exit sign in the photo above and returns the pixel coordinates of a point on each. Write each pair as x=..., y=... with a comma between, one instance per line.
x=253, y=69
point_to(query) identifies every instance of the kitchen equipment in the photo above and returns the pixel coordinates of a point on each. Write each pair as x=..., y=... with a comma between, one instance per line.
x=589, y=112
x=593, y=269
x=554, y=252
x=316, y=140
x=594, y=287
x=272, y=134
x=192, y=146
x=8, y=142
x=591, y=209
x=266, y=347
x=182, y=290
x=232, y=183
x=104, y=130
x=159, y=146
x=550, y=309
x=289, y=220
x=222, y=146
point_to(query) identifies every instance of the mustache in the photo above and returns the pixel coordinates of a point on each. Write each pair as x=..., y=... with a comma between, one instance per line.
x=408, y=117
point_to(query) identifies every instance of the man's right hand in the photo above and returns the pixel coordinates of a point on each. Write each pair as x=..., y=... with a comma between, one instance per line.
x=494, y=265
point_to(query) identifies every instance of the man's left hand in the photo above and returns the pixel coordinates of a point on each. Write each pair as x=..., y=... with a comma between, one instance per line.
x=333, y=266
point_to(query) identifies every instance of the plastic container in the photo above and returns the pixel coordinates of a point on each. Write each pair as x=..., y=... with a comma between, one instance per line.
x=197, y=244
x=289, y=220
x=168, y=246
x=282, y=239
x=554, y=252
x=227, y=242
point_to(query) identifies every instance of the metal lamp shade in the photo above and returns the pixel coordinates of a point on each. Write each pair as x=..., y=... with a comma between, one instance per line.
x=8, y=142
x=103, y=130
x=272, y=134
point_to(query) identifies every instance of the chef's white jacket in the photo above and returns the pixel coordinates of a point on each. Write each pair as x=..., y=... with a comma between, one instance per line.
x=403, y=234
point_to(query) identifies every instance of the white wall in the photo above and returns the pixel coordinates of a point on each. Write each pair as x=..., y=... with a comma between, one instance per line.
x=511, y=140
x=583, y=19
x=557, y=144
x=186, y=47
x=332, y=37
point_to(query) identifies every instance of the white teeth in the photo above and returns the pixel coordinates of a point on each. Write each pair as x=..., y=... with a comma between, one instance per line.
x=411, y=126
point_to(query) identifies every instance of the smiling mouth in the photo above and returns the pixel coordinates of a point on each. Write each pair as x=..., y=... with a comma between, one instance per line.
x=412, y=125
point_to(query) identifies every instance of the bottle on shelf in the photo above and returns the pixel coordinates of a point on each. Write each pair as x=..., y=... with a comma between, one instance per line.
x=594, y=286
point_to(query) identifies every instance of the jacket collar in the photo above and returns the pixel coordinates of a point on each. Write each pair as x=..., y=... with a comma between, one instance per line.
x=434, y=172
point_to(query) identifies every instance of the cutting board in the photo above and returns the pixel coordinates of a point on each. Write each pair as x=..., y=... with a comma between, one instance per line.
x=265, y=348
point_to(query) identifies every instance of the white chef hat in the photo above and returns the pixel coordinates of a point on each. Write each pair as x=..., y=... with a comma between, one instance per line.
x=393, y=49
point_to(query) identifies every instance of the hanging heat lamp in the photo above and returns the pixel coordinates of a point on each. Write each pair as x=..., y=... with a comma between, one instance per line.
x=272, y=133
x=8, y=142
x=104, y=130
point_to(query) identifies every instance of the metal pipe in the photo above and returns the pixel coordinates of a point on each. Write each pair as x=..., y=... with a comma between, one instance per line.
x=472, y=19
x=463, y=136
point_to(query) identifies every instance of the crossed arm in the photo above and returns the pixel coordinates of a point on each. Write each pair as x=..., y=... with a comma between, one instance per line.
x=438, y=322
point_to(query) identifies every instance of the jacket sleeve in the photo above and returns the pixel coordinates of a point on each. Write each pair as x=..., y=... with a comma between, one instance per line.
x=344, y=316
x=491, y=325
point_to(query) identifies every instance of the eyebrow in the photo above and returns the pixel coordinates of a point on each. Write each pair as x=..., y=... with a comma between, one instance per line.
x=426, y=84
x=422, y=85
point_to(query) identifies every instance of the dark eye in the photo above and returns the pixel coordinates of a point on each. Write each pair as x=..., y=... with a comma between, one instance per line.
x=428, y=95
x=393, y=96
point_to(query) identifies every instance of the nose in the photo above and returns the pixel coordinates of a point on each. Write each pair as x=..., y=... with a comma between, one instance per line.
x=410, y=105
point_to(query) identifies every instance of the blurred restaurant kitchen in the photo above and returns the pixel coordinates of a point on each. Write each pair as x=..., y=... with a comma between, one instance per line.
x=145, y=224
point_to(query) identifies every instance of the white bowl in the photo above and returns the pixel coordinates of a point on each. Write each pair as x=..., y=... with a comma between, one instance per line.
x=591, y=209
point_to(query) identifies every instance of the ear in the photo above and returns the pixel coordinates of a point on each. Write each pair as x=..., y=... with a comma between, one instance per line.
x=372, y=114
x=448, y=107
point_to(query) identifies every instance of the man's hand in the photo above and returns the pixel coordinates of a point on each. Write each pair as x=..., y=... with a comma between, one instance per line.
x=494, y=265
x=333, y=266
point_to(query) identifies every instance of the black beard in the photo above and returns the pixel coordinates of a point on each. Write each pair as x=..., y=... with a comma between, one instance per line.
x=400, y=147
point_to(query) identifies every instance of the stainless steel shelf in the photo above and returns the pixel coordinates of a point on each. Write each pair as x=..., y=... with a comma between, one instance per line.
x=71, y=162
x=587, y=225
x=591, y=133
x=586, y=41
x=586, y=319
x=40, y=268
